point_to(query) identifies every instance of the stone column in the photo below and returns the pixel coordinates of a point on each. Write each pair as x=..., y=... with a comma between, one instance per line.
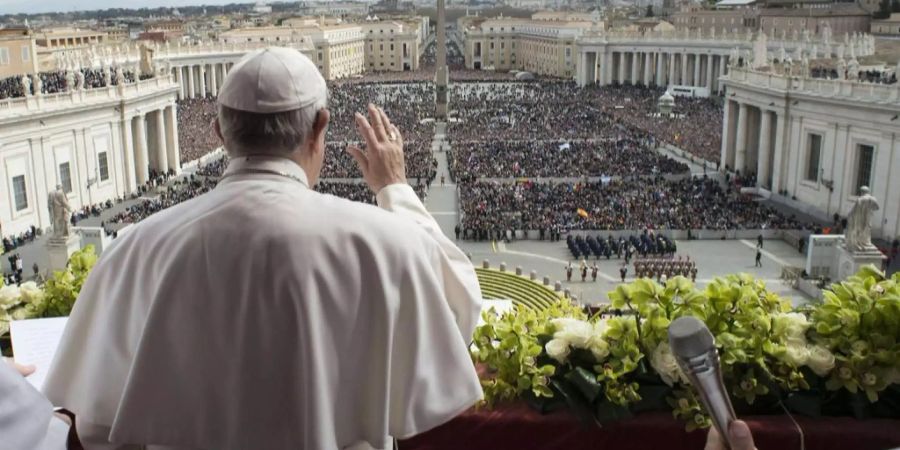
x=162, y=155
x=214, y=79
x=684, y=70
x=581, y=79
x=670, y=61
x=128, y=155
x=660, y=66
x=648, y=66
x=174, y=156
x=621, y=67
x=740, y=143
x=726, y=133
x=696, y=80
x=180, y=92
x=202, y=79
x=607, y=68
x=192, y=93
x=709, y=73
x=723, y=63
x=635, y=67
x=777, y=162
x=763, y=170
x=140, y=143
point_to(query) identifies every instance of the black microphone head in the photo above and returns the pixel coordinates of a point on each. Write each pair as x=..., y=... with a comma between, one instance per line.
x=690, y=337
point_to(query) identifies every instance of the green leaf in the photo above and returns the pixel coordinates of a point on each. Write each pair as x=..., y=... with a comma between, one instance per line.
x=585, y=382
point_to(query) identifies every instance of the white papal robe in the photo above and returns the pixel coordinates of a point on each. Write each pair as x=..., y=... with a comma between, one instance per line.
x=265, y=315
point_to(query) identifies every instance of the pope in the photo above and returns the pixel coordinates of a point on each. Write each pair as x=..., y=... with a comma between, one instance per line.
x=266, y=315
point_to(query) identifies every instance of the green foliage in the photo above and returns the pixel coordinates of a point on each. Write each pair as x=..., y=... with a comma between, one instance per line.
x=62, y=289
x=54, y=299
x=859, y=321
x=605, y=368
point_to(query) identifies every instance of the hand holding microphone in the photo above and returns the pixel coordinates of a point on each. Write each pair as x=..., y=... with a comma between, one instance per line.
x=695, y=350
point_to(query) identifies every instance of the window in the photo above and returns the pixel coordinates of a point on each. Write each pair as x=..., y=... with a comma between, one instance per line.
x=103, y=165
x=65, y=177
x=4, y=56
x=812, y=165
x=26, y=53
x=19, y=193
x=320, y=56
x=865, y=155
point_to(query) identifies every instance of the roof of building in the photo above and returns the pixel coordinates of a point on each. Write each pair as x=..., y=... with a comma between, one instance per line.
x=835, y=10
x=734, y=3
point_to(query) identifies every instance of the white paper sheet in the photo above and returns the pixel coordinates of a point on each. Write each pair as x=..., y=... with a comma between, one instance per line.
x=34, y=342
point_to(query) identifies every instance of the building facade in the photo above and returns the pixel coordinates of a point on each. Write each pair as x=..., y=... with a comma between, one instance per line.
x=392, y=46
x=98, y=144
x=18, y=53
x=887, y=27
x=545, y=47
x=813, y=143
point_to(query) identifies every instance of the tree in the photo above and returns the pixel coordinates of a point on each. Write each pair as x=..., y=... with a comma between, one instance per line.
x=895, y=7
x=649, y=12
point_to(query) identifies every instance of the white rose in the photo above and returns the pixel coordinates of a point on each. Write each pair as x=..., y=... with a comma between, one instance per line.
x=9, y=296
x=558, y=349
x=663, y=361
x=796, y=354
x=578, y=333
x=599, y=348
x=792, y=325
x=30, y=291
x=20, y=314
x=820, y=360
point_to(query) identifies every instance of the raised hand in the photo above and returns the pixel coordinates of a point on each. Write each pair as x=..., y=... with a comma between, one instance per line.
x=382, y=163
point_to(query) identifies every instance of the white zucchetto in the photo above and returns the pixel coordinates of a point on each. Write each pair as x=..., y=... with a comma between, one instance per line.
x=273, y=80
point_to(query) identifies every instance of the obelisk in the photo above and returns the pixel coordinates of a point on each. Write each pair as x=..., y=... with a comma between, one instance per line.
x=442, y=74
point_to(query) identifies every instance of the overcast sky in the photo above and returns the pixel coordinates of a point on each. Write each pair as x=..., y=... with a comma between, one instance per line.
x=42, y=6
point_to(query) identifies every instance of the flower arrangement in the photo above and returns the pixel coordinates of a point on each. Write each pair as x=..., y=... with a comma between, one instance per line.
x=837, y=357
x=54, y=299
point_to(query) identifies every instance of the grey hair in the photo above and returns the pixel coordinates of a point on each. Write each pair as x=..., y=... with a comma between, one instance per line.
x=277, y=134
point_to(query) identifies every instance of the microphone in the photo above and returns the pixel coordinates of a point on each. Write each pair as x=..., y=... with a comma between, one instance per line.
x=695, y=350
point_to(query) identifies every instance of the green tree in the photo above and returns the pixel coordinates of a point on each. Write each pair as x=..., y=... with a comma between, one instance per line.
x=649, y=12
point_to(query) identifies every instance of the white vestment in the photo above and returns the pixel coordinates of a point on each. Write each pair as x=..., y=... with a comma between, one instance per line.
x=265, y=315
x=26, y=417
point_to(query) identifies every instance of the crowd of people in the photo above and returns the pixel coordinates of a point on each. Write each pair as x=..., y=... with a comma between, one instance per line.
x=560, y=110
x=420, y=162
x=179, y=191
x=196, y=135
x=622, y=204
x=56, y=81
x=665, y=267
x=868, y=76
x=502, y=159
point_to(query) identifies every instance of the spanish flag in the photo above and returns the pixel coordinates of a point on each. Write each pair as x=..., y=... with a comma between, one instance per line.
x=581, y=212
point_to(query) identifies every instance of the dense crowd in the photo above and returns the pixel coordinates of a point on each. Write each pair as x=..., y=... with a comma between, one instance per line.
x=56, y=82
x=420, y=162
x=869, y=76
x=626, y=204
x=196, y=135
x=560, y=159
x=560, y=110
x=179, y=191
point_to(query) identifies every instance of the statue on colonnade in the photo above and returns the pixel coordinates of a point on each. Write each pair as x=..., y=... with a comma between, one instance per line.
x=858, y=236
x=60, y=212
x=26, y=85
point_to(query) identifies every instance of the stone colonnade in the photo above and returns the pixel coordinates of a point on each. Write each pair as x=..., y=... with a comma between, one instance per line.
x=753, y=142
x=150, y=144
x=652, y=67
x=200, y=80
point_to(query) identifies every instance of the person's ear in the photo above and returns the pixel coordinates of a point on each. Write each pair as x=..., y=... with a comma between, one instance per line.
x=218, y=129
x=320, y=126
